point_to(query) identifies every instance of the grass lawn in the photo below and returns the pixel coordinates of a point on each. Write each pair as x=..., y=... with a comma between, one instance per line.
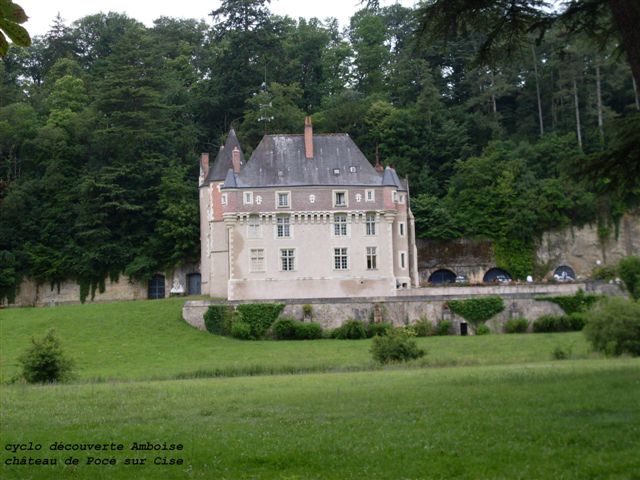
x=504, y=410
x=570, y=420
x=149, y=340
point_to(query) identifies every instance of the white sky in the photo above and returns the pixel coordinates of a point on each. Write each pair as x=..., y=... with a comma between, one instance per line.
x=42, y=12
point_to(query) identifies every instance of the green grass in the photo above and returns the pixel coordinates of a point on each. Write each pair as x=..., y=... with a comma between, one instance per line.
x=148, y=340
x=570, y=420
x=506, y=411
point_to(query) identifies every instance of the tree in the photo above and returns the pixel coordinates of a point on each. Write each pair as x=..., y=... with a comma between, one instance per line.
x=11, y=16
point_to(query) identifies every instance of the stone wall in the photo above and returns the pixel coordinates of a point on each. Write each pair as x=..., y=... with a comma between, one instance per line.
x=30, y=294
x=430, y=303
x=579, y=248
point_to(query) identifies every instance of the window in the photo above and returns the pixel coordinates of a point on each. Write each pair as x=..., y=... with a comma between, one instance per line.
x=402, y=260
x=257, y=259
x=283, y=227
x=287, y=256
x=372, y=258
x=340, y=199
x=223, y=199
x=340, y=258
x=353, y=169
x=247, y=198
x=340, y=225
x=336, y=171
x=254, y=227
x=394, y=197
x=370, y=195
x=401, y=229
x=401, y=198
x=370, y=223
x=282, y=199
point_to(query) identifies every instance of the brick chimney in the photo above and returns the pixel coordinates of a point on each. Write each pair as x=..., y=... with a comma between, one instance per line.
x=308, y=138
x=204, y=165
x=235, y=160
x=379, y=168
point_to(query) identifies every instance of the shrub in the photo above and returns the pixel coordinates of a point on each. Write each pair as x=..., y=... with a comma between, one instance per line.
x=45, y=362
x=560, y=353
x=217, y=319
x=477, y=310
x=260, y=316
x=516, y=325
x=351, y=330
x=551, y=323
x=482, y=330
x=423, y=328
x=241, y=330
x=307, y=311
x=444, y=327
x=379, y=329
x=577, y=321
x=629, y=271
x=613, y=327
x=605, y=272
x=397, y=346
x=290, y=329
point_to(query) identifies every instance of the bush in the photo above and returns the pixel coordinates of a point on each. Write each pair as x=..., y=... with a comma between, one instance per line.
x=444, y=327
x=260, y=316
x=560, y=353
x=45, y=362
x=423, y=328
x=241, y=330
x=613, y=327
x=217, y=319
x=629, y=271
x=577, y=321
x=605, y=272
x=516, y=325
x=551, y=323
x=397, y=346
x=477, y=310
x=290, y=329
x=379, y=329
x=482, y=330
x=351, y=330
x=307, y=311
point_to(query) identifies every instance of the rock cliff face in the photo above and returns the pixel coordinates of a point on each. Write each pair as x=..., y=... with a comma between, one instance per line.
x=581, y=249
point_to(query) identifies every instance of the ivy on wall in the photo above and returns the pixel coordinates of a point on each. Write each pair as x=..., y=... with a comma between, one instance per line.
x=580, y=302
x=477, y=310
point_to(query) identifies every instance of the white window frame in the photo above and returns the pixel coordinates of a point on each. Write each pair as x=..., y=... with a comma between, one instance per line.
x=290, y=260
x=254, y=226
x=343, y=255
x=401, y=198
x=288, y=194
x=394, y=196
x=286, y=226
x=370, y=228
x=224, y=200
x=371, y=258
x=247, y=198
x=255, y=257
x=335, y=199
x=369, y=195
x=402, y=260
x=340, y=228
x=402, y=229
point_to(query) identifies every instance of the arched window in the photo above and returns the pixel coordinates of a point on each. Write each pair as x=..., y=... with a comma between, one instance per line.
x=564, y=273
x=496, y=275
x=442, y=276
x=156, y=287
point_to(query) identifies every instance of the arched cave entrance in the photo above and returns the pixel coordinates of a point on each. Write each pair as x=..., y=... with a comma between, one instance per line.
x=442, y=276
x=496, y=275
x=564, y=273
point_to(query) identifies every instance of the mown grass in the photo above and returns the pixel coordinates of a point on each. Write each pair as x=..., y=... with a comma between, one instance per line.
x=569, y=420
x=149, y=340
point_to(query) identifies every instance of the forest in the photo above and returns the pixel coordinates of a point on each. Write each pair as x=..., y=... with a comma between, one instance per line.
x=102, y=122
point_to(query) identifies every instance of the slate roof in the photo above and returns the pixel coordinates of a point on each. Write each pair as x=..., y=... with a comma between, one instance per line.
x=280, y=161
x=222, y=163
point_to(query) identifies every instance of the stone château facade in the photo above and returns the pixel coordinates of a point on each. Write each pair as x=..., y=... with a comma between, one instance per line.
x=307, y=216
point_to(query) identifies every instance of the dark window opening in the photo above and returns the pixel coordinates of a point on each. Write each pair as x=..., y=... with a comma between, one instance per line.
x=156, y=287
x=442, y=276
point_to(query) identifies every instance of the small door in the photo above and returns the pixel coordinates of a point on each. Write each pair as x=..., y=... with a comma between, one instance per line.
x=156, y=287
x=193, y=284
x=464, y=329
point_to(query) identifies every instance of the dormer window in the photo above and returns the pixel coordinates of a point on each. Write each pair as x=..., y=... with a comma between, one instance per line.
x=336, y=171
x=353, y=169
